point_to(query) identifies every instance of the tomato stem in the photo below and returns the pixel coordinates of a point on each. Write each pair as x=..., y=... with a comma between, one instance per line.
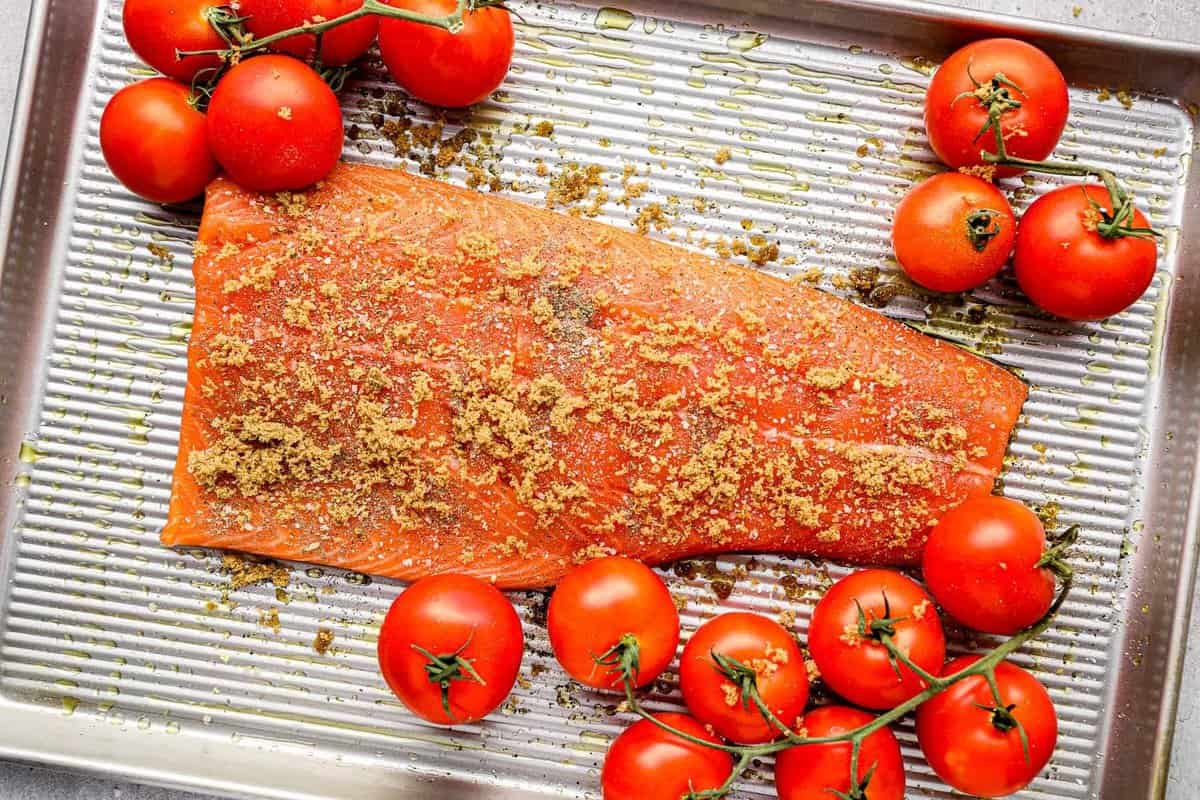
x=899, y=655
x=1110, y=225
x=230, y=26
x=725, y=788
x=1053, y=557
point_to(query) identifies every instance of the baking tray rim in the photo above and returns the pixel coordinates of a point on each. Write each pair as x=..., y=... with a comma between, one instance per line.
x=206, y=766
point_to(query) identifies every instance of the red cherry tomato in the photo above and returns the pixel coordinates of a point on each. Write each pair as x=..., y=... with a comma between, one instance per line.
x=953, y=232
x=447, y=69
x=857, y=667
x=760, y=645
x=155, y=141
x=816, y=771
x=339, y=45
x=1066, y=265
x=155, y=29
x=954, y=117
x=648, y=763
x=981, y=565
x=597, y=605
x=471, y=628
x=976, y=751
x=274, y=125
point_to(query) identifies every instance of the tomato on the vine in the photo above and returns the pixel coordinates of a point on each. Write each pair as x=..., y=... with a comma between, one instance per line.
x=155, y=29
x=953, y=232
x=339, y=45
x=648, y=763
x=817, y=771
x=849, y=624
x=608, y=612
x=730, y=657
x=982, y=563
x=1010, y=78
x=1072, y=258
x=450, y=648
x=155, y=141
x=274, y=125
x=979, y=750
x=448, y=69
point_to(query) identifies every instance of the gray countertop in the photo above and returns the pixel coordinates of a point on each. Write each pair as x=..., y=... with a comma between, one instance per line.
x=1172, y=19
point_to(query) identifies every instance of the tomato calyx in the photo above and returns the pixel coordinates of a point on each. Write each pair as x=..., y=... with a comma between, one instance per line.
x=877, y=627
x=745, y=680
x=1002, y=717
x=446, y=668
x=881, y=630
x=996, y=96
x=622, y=659
x=858, y=789
x=982, y=227
x=1115, y=224
x=1054, y=557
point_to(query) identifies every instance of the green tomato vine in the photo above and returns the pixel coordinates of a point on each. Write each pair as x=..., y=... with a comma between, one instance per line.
x=624, y=657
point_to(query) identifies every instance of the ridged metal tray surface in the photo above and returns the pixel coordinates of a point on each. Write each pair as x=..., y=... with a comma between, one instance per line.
x=776, y=126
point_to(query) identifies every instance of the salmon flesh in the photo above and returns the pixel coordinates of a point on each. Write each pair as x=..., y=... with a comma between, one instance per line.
x=401, y=377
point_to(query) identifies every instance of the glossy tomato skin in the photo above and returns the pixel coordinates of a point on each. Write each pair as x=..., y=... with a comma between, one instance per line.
x=1031, y=131
x=759, y=643
x=156, y=142
x=647, y=763
x=155, y=29
x=274, y=125
x=859, y=670
x=601, y=601
x=441, y=614
x=339, y=45
x=967, y=751
x=931, y=232
x=980, y=564
x=815, y=771
x=1069, y=269
x=445, y=69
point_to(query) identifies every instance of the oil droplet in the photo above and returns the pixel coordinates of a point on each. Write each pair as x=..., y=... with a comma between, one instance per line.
x=23, y=480
x=69, y=704
x=746, y=40
x=30, y=454
x=358, y=579
x=886, y=69
x=180, y=331
x=809, y=87
x=172, y=727
x=614, y=19
x=649, y=24
x=143, y=723
x=919, y=64
x=207, y=719
x=856, y=49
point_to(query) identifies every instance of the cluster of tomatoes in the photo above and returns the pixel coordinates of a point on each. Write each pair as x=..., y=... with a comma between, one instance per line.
x=451, y=647
x=266, y=114
x=995, y=109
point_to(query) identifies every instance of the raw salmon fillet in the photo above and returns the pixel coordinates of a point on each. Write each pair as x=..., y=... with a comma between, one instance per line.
x=400, y=377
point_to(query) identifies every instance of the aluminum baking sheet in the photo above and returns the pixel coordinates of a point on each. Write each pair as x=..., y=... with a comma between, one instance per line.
x=773, y=126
